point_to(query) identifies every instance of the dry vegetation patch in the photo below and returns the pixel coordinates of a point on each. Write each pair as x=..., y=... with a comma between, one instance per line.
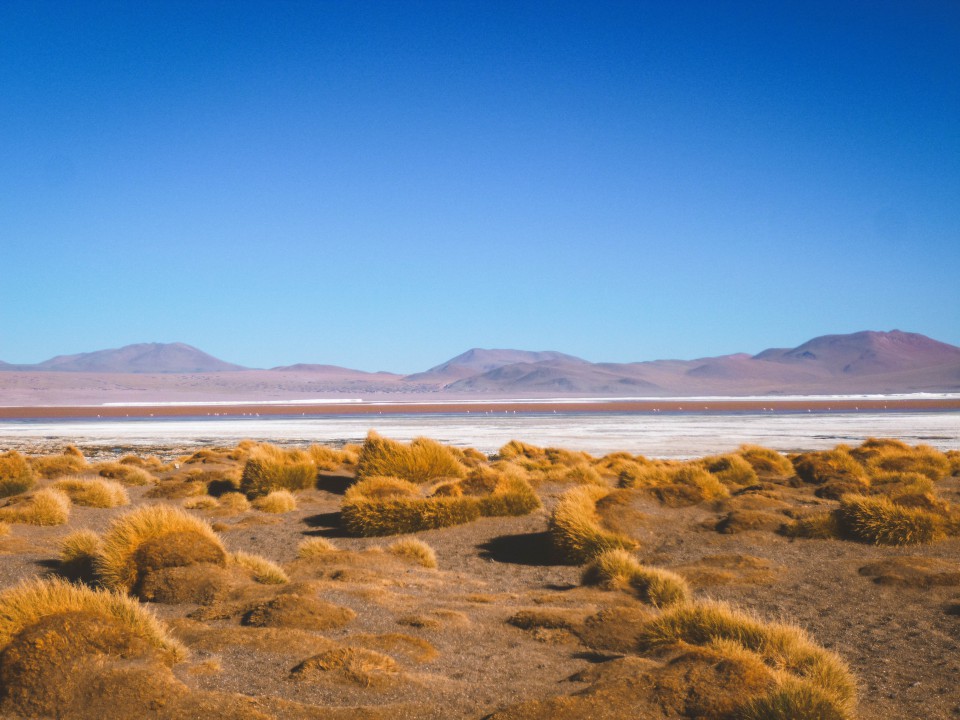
x=575, y=526
x=44, y=507
x=16, y=475
x=93, y=492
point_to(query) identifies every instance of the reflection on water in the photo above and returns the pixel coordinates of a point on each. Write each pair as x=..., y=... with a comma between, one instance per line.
x=652, y=434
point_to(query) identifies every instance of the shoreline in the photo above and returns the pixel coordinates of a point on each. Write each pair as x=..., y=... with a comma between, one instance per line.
x=672, y=405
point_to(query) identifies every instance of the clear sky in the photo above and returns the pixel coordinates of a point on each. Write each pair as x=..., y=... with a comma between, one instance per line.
x=383, y=185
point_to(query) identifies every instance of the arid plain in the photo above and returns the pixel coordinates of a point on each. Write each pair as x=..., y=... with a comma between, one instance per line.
x=390, y=580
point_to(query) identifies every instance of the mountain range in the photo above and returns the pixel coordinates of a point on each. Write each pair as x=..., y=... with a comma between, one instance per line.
x=863, y=362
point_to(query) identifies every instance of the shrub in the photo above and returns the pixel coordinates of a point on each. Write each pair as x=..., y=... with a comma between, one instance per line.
x=583, y=474
x=880, y=521
x=423, y=460
x=783, y=646
x=922, y=459
x=92, y=492
x=615, y=569
x=648, y=475
x=575, y=527
x=278, y=501
x=261, y=570
x=270, y=468
x=152, y=538
x=402, y=515
x=767, y=463
x=837, y=465
x=234, y=502
x=731, y=469
x=16, y=475
x=314, y=548
x=44, y=507
x=26, y=604
x=54, y=466
x=78, y=551
x=511, y=496
x=416, y=550
x=126, y=474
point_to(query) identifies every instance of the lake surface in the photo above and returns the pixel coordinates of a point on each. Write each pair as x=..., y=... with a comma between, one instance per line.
x=666, y=435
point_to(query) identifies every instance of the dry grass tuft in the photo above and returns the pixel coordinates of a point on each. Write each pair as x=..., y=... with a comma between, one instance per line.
x=304, y=612
x=44, y=507
x=70, y=462
x=731, y=469
x=416, y=550
x=785, y=647
x=767, y=463
x=152, y=538
x=127, y=474
x=269, y=468
x=262, y=570
x=314, y=548
x=403, y=515
x=880, y=521
x=78, y=551
x=795, y=699
x=422, y=461
x=835, y=465
x=328, y=458
x=353, y=665
x=575, y=527
x=583, y=474
x=234, y=502
x=32, y=600
x=644, y=475
x=511, y=495
x=16, y=475
x=93, y=492
x=618, y=569
x=278, y=501
x=204, y=502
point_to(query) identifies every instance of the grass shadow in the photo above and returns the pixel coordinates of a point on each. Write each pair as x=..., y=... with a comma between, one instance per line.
x=327, y=525
x=525, y=549
x=334, y=483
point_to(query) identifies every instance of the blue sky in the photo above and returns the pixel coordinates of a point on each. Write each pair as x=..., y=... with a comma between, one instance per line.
x=383, y=185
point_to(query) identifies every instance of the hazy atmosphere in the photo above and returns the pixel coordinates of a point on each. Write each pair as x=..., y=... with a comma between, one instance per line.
x=384, y=185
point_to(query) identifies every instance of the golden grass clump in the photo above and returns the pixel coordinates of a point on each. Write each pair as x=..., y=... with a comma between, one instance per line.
x=902, y=483
x=314, y=548
x=836, y=465
x=880, y=521
x=234, y=502
x=278, y=501
x=354, y=665
x=422, y=461
x=126, y=474
x=16, y=475
x=78, y=551
x=784, y=647
x=93, y=492
x=921, y=459
x=731, y=469
x=616, y=569
x=328, y=458
x=767, y=463
x=400, y=515
x=70, y=462
x=203, y=502
x=44, y=507
x=151, y=538
x=583, y=474
x=501, y=492
x=379, y=487
x=262, y=570
x=651, y=474
x=269, y=468
x=795, y=699
x=575, y=526
x=416, y=550
x=26, y=604
x=708, y=486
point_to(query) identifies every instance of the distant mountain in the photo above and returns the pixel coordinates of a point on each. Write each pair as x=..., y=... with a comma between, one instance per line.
x=480, y=360
x=333, y=371
x=863, y=362
x=141, y=358
x=866, y=353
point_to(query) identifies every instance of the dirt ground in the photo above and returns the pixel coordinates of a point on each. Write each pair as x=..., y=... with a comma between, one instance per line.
x=456, y=655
